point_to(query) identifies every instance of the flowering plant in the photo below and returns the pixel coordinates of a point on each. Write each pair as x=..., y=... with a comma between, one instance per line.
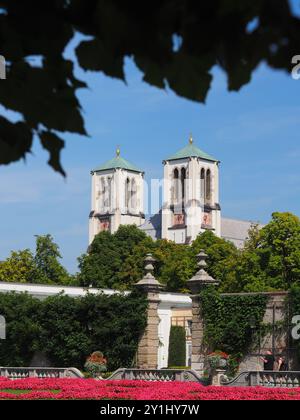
x=218, y=359
x=90, y=389
x=96, y=364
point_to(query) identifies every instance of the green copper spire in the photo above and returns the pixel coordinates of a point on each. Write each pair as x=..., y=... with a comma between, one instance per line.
x=191, y=150
x=118, y=163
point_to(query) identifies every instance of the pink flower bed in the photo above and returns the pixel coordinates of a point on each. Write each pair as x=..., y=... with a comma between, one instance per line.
x=71, y=389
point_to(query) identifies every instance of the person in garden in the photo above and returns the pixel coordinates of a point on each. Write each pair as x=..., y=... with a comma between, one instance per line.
x=282, y=364
x=269, y=361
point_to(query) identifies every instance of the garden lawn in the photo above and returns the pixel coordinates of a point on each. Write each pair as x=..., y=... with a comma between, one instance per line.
x=89, y=389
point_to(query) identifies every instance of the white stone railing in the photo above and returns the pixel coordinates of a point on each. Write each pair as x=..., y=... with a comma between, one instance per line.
x=41, y=373
x=155, y=375
x=269, y=379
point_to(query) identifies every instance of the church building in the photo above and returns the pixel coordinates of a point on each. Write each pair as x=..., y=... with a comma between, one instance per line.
x=190, y=202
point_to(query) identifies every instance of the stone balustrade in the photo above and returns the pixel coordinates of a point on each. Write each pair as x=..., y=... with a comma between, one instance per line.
x=40, y=373
x=156, y=375
x=270, y=379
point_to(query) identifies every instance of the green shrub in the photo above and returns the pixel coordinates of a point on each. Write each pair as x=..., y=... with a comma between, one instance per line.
x=22, y=328
x=177, y=346
x=68, y=329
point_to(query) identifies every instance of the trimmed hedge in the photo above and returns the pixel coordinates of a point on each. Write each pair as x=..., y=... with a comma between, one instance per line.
x=68, y=329
x=177, y=346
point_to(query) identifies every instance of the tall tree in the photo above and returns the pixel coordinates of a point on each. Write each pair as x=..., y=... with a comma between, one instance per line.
x=175, y=265
x=174, y=43
x=220, y=253
x=103, y=264
x=271, y=258
x=48, y=267
x=279, y=249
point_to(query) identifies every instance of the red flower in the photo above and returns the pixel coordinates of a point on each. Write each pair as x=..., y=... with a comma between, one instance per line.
x=80, y=389
x=220, y=354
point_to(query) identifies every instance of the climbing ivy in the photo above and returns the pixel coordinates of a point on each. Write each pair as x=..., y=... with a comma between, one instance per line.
x=231, y=320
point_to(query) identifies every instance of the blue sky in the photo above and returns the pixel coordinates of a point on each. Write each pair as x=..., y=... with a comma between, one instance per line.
x=255, y=134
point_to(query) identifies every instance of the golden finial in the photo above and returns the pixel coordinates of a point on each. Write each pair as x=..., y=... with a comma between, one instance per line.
x=118, y=152
x=191, y=140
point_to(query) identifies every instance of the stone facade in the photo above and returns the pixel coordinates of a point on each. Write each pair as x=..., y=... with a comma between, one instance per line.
x=147, y=356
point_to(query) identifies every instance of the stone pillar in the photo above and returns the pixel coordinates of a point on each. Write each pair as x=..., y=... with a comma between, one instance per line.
x=198, y=350
x=147, y=355
x=196, y=284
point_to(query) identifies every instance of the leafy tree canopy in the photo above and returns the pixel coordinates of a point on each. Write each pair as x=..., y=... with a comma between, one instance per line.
x=48, y=267
x=43, y=267
x=271, y=258
x=106, y=265
x=174, y=43
x=269, y=261
x=117, y=261
x=18, y=267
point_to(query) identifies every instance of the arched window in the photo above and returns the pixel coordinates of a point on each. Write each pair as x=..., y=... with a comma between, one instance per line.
x=208, y=187
x=127, y=194
x=183, y=178
x=133, y=195
x=176, y=186
x=202, y=186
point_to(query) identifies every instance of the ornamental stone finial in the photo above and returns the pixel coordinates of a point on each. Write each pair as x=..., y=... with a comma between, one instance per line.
x=201, y=278
x=191, y=140
x=118, y=151
x=149, y=282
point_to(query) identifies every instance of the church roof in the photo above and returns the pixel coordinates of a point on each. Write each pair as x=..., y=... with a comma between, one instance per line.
x=191, y=150
x=118, y=163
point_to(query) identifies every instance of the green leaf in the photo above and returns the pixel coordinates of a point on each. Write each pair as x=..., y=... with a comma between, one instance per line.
x=153, y=73
x=54, y=145
x=92, y=55
x=52, y=103
x=15, y=141
x=188, y=76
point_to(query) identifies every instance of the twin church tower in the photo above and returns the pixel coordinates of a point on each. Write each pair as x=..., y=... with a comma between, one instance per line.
x=190, y=203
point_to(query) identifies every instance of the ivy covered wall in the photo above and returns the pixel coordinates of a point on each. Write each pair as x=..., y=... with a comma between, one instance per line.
x=230, y=321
